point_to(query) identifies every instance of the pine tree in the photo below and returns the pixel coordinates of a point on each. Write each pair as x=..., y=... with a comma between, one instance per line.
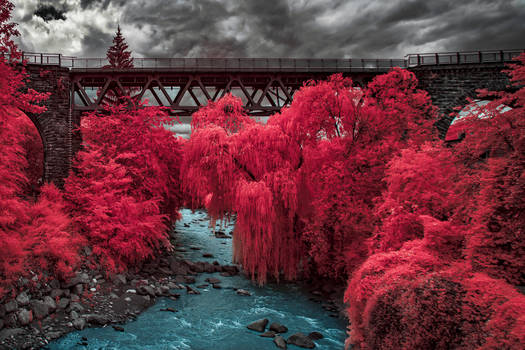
x=118, y=54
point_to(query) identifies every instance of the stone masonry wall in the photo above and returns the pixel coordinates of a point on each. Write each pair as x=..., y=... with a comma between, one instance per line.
x=450, y=85
x=54, y=125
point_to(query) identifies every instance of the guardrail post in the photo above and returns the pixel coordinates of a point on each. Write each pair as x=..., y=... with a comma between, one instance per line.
x=458, y=58
x=480, y=57
x=60, y=60
x=501, y=57
x=41, y=58
x=437, y=58
x=418, y=60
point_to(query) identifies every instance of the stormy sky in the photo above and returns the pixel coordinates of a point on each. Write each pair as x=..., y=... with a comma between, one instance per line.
x=270, y=28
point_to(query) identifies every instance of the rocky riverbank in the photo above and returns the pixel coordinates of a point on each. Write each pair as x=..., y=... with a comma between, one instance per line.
x=49, y=310
x=34, y=316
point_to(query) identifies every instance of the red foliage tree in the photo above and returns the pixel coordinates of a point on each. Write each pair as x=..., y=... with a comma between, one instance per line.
x=35, y=238
x=303, y=185
x=125, y=187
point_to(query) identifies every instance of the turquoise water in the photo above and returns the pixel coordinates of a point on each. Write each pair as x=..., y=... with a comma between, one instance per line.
x=217, y=318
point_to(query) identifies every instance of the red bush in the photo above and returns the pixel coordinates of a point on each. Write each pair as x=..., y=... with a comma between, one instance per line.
x=126, y=184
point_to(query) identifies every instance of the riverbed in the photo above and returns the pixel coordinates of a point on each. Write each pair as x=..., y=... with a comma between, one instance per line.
x=217, y=318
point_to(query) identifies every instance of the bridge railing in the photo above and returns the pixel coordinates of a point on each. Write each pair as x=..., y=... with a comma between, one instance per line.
x=466, y=57
x=247, y=64
x=221, y=64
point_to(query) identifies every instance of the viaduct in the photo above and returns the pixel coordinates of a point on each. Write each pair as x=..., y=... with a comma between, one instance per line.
x=265, y=85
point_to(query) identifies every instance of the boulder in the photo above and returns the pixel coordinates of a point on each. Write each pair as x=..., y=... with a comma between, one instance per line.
x=259, y=325
x=22, y=299
x=99, y=320
x=24, y=317
x=40, y=309
x=278, y=328
x=301, y=340
x=11, y=306
x=74, y=315
x=2, y=311
x=279, y=342
x=315, y=336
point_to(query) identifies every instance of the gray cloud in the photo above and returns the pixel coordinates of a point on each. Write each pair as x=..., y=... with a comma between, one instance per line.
x=280, y=28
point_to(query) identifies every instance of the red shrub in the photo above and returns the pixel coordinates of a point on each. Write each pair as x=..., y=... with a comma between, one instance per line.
x=126, y=184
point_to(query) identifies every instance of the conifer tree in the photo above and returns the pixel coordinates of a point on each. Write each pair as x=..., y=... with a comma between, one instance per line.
x=118, y=54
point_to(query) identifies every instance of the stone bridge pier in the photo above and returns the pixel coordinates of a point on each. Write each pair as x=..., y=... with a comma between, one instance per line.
x=56, y=125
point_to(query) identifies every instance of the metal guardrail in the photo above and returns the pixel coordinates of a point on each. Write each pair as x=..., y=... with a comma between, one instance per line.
x=466, y=57
x=280, y=64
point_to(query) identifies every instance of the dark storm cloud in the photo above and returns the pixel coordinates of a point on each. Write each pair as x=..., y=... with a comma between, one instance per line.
x=51, y=10
x=306, y=28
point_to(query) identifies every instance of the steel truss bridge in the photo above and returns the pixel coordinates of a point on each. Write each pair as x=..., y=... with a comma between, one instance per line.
x=265, y=85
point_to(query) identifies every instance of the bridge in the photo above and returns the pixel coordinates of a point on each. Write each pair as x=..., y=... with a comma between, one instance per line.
x=265, y=85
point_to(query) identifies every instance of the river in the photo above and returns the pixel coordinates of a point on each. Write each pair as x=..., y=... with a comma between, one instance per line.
x=217, y=318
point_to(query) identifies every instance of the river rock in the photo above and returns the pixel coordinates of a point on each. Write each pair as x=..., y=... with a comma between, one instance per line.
x=81, y=278
x=315, y=336
x=22, y=299
x=213, y=280
x=119, y=279
x=50, y=303
x=216, y=286
x=118, y=328
x=10, y=320
x=220, y=234
x=24, y=317
x=75, y=306
x=11, y=306
x=63, y=303
x=77, y=289
x=267, y=334
x=243, y=292
x=146, y=290
x=207, y=255
x=279, y=342
x=259, y=325
x=74, y=315
x=189, y=279
x=56, y=293
x=191, y=290
x=99, y=320
x=301, y=340
x=79, y=323
x=40, y=309
x=278, y=328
